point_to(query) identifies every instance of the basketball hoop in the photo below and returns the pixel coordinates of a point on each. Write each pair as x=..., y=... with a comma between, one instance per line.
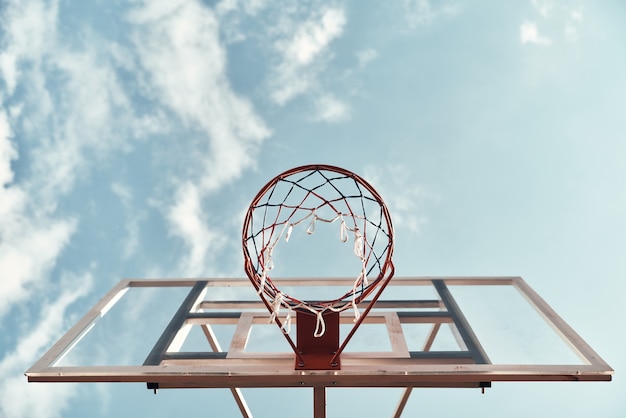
x=309, y=195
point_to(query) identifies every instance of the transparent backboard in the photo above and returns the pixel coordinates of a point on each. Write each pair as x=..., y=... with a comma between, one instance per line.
x=422, y=332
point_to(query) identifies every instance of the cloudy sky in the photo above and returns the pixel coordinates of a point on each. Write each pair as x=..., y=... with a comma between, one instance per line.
x=134, y=134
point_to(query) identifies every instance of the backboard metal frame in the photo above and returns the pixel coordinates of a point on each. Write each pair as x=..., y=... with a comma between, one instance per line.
x=168, y=367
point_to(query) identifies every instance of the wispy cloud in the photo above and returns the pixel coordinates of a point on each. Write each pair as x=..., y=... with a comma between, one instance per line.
x=28, y=29
x=31, y=236
x=196, y=89
x=134, y=216
x=422, y=12
x=404, y=196
x=63, y=107
x=29, y=249
x=188, y=221
x=19, y=399
x=330, y=109
x=543, y=7
x=572, y=25
x=231, y=14
x=198, y=92
x=552, y=16
x=63, y=110
x=73, y=108
x=7, y=154
x=303, y=46
x=529, y=34
x=366, y=56
x=301, y=38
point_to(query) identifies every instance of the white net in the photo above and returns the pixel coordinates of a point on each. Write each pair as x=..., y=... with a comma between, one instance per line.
x=309, y=196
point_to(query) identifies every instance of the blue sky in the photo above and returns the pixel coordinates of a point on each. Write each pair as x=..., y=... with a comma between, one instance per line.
x=134, y=134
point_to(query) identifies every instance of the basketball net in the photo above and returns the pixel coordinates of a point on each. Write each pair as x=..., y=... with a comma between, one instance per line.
x=297, y=197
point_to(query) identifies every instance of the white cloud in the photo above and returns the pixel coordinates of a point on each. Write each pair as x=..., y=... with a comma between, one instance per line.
x=330, y=109
x=402, y=194
x=197, y=90
x=18, y=398
x=28, y=251
x=565, y=16
x=63, y=126
x=251, y=7
x=301, y=37
x=187, y=221
x=33, y=235
x=366, y=56
x=574, y=20
x=31, y=240
x=544, y=7
x=232, y=14
x=123, y=192
x=28, y=29
x=7, y=152
x=67, y=107
x=134, y=216
x=314, y=36
x=71, y=109
x=31, y=243
x=576, y=15
x=302, y=45
x=529, y=34
x=8, y=69
x=571, y=32
x=421, y=12
x=226, y=6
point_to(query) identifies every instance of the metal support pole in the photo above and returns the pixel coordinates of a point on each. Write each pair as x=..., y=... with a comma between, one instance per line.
x=402, y=403
x=319, y=402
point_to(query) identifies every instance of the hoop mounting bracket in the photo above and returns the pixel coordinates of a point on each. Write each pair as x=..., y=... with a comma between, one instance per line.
x=317, y=353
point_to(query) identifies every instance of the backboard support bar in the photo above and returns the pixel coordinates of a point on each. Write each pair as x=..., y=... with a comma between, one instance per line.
x=471, y=342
